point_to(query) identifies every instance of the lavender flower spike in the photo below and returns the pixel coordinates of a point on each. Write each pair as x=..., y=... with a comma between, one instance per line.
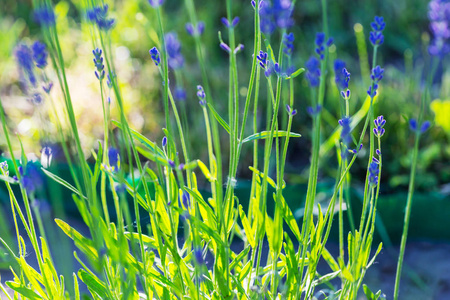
x=45, y=16
x=156, y=3
x=39, y=54
x=154, y=53
x=201, y=95
x=379, y=123
x=376, y=36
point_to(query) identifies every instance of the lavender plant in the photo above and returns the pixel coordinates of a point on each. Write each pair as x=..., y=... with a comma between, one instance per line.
x=128, y=258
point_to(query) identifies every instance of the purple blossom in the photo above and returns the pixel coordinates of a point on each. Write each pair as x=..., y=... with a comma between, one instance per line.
x=288, y=41
x=156, y=3
x=154, y=54
x=195, y=30
x=233, y=23
x=290, y=111
x=31, y=177
x=342, y=76
x=173, y=47
x=24, y=57
x=98, y=62
x=376, y=36
x=379, y=124
x=201, y=95
x=376, y=76
x=45, y=16
x=346, y=130
x=439, y=15
x=39, y=54
x=276, y=13
x=373, y=172
x=180, y=93
x=114, y=158
x=47, y=87
x=321, y=45
x=313, y=71
x=99, y=15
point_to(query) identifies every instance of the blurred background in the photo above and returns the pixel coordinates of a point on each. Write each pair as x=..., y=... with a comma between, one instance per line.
x=403, y=55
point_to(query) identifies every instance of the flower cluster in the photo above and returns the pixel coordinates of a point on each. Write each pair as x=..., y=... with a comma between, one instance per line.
x=195, y=30
x=31, y=177
x=376, y=36
x=45, y=16
x=233, y=23
x=114, y=158
x=314, y=110
x=154, y=54
x=268, y=66
x=227, y=48
x=173, y=47
x=98, y=61
x=376, y=76
x=288, y=41
x=27, y=59
x=39, y=54
x=290, y=111
x=346, y=130
x=373, y=172
x=321, y=45
x=24, y=57
x=342, y=78
x=99, y=15
x=422, y=128
x=379, y=124
x=313, y=71
x=156, y=3
x=4, y=168
x=275, y=14
x=201, y=95
x=180, y=93
x=439, y=15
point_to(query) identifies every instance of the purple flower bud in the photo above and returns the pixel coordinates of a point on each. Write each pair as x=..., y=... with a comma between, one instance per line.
x=413, y=124
x=225, y=47
x=155, y=3
x=199, y=256
x=171, y=163
x=235, y=21
x=190, y=29
x=425, y=126
x=47, y=88
x=239, y=48
x=378, y=152
x=113, y=157
x=181, y=167
x=154, y=53
x=164, y=141
x=186, y=199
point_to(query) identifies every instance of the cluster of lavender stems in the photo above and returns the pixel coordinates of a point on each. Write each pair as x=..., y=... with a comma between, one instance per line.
x=270, y=17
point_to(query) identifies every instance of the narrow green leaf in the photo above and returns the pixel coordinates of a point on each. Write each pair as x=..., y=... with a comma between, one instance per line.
x=62, y=182
x=94, y=284
x=219, y=119
x=266, y=134
x=23, y=291
x=330, y=260
x=145, y=141
x=290, y=219
x=240, y=257
x=296, y=73
x=248, y=229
